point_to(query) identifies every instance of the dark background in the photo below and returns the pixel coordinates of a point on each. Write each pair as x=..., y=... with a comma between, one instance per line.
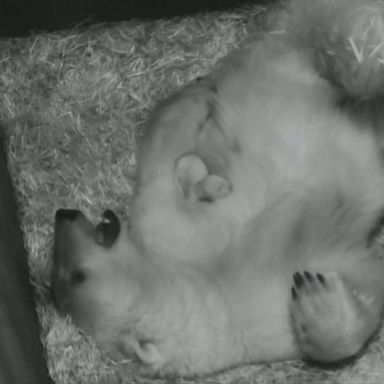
x=18, y=17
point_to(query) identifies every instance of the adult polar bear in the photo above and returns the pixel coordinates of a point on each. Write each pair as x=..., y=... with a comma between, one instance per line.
x=257, y=192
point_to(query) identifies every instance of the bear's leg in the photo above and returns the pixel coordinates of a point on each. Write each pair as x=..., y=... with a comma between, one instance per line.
x=332, y=320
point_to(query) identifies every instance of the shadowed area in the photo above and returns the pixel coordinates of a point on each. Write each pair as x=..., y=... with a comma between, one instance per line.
x=21, y=353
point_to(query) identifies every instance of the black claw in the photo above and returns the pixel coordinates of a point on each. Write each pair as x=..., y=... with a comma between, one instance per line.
x=298, y=279
x=321, y=278
x=308, y=276
x=294, y=294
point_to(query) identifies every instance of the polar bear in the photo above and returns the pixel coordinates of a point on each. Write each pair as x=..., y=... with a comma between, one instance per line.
x=258, y=193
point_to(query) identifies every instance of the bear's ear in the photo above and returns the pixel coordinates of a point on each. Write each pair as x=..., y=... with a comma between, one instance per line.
x=145, y=350
x=108, y=230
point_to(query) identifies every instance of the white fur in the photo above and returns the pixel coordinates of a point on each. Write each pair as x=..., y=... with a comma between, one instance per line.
x=209, y=283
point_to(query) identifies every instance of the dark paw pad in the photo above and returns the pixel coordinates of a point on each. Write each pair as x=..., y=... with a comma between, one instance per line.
x=330, y=321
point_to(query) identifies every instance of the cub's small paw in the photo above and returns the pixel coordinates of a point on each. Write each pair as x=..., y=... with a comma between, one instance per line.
x=196, y=183
x=211, y=188
x=331, y=321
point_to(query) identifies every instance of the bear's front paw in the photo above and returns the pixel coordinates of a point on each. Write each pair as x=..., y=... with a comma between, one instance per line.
x=331, y=321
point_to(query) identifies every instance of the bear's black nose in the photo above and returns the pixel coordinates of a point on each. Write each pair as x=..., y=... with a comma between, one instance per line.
x=67, y=214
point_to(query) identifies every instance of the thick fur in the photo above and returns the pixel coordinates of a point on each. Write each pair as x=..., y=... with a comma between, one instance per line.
x=257, y=192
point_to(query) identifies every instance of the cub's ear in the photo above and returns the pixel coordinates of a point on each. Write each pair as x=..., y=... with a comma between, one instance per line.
x=108, y=230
